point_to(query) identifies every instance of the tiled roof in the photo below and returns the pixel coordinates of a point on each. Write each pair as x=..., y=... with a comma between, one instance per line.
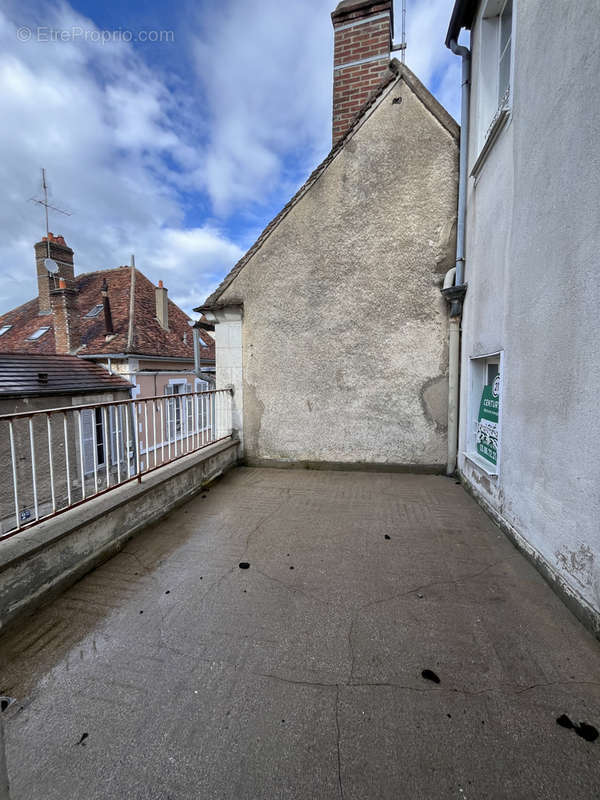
x=149, y=338
x=395, y=72
x=35, y=374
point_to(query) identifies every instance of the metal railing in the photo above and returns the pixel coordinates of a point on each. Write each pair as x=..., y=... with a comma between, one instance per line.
x=55, y=459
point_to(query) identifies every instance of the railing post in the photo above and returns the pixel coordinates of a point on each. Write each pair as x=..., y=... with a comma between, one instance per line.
x=4, y=788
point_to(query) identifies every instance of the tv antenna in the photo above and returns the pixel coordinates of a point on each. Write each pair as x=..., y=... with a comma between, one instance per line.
x=49, y=263
x=403, y=56
x=402, y=45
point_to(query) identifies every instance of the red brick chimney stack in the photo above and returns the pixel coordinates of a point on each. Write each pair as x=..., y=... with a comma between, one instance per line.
x=62, y=254
x=67, y=326
x=363, y=32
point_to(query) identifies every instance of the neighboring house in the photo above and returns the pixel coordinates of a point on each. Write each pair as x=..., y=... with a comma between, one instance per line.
x=331, y=328
x=34, y=382
x=116, y=318
x=530, y=368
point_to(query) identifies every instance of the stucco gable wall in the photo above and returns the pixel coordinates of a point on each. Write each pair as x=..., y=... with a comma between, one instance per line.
x=344, y=332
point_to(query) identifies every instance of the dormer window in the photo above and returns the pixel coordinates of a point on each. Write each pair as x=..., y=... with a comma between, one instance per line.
x=4, y=329
x=95, y=310
x=38, y=334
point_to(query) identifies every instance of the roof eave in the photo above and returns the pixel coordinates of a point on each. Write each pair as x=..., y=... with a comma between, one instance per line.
x=463, y=14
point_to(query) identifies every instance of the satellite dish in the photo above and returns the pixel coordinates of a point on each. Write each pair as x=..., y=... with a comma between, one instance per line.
x=51, y=265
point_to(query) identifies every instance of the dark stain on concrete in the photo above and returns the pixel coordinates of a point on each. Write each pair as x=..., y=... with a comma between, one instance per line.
x=584, y=729
x=244, y=565
x=430, y=675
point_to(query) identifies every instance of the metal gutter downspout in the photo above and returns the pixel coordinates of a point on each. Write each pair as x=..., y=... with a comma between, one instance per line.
x=465, y=54
x=454, y=286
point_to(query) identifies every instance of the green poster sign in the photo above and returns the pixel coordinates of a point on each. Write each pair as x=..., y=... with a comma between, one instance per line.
x=487, y=422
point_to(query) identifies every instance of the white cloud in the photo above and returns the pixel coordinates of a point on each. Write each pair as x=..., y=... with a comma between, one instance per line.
x=161, y=163
x=266, y=72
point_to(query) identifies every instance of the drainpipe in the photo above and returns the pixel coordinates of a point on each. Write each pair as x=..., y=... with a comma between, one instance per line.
x=465, y=54
x=454, y=288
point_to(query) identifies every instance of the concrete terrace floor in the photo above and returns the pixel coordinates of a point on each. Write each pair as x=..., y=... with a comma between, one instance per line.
x=300, y=677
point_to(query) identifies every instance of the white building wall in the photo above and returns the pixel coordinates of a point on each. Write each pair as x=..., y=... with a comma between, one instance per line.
x=533, y=237
x=228, y=340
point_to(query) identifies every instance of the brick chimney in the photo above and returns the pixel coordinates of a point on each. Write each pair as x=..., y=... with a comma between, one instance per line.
x=67, y=325
x=162, y=305
x=62, y=254
x=363, y=31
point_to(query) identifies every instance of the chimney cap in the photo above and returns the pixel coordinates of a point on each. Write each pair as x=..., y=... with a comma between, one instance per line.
x=160, y=285
x=351, y=6
x=59, y=239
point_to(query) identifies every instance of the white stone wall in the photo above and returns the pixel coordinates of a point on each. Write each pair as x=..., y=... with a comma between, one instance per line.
x=533, y=237
x=228, y=340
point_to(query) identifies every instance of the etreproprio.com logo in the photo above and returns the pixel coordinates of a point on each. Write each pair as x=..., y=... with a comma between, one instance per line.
x=77, y=34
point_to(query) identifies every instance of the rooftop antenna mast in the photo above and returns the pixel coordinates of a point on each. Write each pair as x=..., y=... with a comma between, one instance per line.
x=402, y=45
x=46, y=206
x=403, y=51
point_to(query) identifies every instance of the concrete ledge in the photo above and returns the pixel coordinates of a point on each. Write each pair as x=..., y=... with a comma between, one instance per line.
x=348, y=466
x=43, y=561
x=577, y=604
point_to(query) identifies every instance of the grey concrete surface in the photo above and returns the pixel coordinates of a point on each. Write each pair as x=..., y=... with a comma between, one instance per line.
x=273, y=682
x=44, y=560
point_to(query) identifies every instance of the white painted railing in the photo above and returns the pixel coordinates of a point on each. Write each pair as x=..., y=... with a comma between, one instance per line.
x=55, y=459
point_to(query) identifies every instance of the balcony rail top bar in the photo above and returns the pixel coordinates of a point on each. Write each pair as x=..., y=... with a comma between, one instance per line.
x=61, y=409
x=62, y=457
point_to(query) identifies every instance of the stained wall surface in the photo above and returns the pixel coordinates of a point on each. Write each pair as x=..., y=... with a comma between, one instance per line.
x=533, y=296
x=344, y=332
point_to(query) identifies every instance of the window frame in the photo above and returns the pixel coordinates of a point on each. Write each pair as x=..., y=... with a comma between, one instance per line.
x=38, y=333
x=493, y=111
x=95, y=311
x=478, y=371
x=4, y=329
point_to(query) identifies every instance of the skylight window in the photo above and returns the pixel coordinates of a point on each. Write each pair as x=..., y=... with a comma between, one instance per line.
x=39, y=333
x=4, y=329
x=95, y=310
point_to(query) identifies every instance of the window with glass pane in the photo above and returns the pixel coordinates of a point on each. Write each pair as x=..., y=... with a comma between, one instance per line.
x=505, y=42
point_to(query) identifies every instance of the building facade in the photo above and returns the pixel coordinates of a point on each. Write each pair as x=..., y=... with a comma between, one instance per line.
x=31, y=383
x=118, y=319
x=332, y=329
x=530, y=367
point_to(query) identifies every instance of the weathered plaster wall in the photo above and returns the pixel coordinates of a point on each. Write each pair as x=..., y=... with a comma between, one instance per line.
x=344, y=329
x=532, y=270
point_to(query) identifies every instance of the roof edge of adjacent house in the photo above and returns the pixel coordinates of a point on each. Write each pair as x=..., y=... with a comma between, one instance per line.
x=395, y=72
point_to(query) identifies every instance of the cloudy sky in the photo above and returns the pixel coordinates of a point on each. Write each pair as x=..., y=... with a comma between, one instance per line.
x=179, y=151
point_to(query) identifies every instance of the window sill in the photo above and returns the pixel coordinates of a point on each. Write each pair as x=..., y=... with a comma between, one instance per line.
x=484, y=466
x=496, y=128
